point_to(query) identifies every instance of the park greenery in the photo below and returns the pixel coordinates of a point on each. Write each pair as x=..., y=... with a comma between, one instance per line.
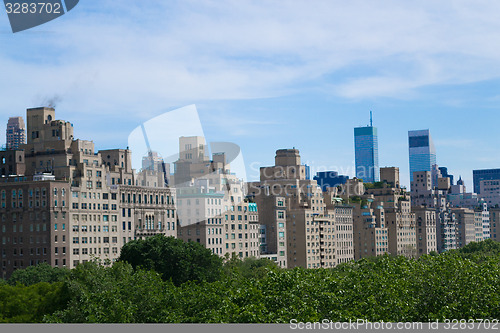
x=165, y=280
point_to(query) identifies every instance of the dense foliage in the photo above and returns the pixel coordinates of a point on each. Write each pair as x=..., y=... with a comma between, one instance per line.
x=36, y=274
x=462, y=284
x=174, y=259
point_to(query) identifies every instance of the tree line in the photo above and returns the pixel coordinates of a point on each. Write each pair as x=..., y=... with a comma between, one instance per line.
x=165, y=280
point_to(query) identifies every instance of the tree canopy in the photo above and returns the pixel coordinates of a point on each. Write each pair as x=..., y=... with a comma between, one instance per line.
x=174, y=259
x=461, y=284
x=36, y=274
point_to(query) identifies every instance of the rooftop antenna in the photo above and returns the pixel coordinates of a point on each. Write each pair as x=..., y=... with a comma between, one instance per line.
x=371, y=118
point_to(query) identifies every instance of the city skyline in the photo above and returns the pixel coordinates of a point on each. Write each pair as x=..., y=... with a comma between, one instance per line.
x=348, y=170
x=260, y=89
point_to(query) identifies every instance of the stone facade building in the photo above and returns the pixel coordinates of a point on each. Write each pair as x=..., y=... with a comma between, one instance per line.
x=89, y=205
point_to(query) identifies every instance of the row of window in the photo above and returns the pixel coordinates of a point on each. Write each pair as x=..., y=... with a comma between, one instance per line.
x=93, y=206
x=97, y=228
x=153, y=199
x=93, y=195
x=97, y=218
x=85, y=240
x=18, y=194
x=85, y=251
x=32, y=239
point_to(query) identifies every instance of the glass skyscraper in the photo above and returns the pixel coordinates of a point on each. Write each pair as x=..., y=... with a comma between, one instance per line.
x=487, y=174
x=422, y=151
x=366, y=149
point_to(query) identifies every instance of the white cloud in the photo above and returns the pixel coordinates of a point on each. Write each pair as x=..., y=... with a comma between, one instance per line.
x=137, y=58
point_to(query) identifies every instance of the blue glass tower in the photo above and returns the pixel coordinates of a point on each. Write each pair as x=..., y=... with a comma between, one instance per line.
x=366, y=151
x=422, y=151
x=487, y=174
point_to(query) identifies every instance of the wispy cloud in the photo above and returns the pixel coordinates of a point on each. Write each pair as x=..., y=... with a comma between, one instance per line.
x=110, y=56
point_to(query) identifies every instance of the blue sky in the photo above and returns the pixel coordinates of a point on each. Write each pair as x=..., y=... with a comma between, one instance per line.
x=269, y=75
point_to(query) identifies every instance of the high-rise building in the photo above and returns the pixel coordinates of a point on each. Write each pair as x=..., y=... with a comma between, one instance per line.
x=422, y=151
x=425, y=195
x=490, y=192
x=399, y=219
x=487, y=174
x=16, y=133
x=366, y=151
x=312, y=233
x=74, y=204
x=371, y=235
x=495, y=224
x=466, y=226
x=426, y=229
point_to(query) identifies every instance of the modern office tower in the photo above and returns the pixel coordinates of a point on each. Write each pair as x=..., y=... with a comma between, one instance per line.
x=16, y=133
x=422, y=151
x=74, y=204
x=366, y=151
x=308, y=229
x=486, y=174
x=399, y=219
x=423, y=194
x=426, y=230
x=330, y=179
